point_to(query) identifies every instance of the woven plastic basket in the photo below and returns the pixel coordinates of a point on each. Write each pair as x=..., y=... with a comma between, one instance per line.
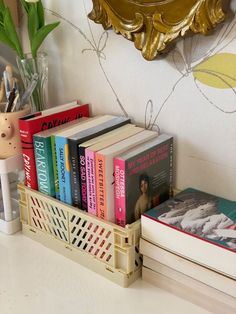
x=104, y=247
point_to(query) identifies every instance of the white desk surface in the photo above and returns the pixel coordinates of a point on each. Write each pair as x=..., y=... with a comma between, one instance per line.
x=36, y=280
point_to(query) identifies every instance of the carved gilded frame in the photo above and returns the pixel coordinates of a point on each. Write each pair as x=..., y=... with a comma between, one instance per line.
x=153, y=24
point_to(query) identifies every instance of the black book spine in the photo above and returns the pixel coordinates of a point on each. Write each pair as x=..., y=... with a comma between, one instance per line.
x=83, y=180
x=79, y=199
x=74, y=176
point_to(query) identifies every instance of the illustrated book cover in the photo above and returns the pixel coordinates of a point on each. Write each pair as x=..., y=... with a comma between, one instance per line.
x=143, y=178
x=202, y=225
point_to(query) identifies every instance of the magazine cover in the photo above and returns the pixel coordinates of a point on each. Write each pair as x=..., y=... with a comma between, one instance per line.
x=201, y=214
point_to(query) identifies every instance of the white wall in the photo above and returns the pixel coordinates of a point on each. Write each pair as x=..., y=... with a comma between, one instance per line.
x=117, y=80
x=7, y=56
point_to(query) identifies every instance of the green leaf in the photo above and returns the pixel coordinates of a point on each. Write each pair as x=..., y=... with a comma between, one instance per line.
x=40, y=36
x=2, y=6
x=25, y=5
x=218, y=71
x=11, y=32
x=5, y=39
x=40, y=11
x=2, y=11
x=32, y=21
x=1, y=21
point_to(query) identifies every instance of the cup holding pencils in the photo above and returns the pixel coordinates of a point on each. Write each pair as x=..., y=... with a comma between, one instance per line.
x=10, y=143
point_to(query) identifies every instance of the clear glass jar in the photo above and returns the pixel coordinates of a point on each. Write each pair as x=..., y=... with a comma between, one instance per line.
x=27, y=68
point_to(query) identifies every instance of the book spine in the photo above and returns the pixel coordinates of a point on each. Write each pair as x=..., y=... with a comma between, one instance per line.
x=75, y=175
x=29, y=128
x=82, y=178
x=100, y=186
x=43, y=159
x=63, y=169
x=120, y=192
x=26, y=135
x=55, y=168
x=91, y=181
x=187, y=267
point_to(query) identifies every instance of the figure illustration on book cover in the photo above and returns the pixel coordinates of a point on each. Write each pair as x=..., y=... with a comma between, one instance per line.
x=144, y=201
x=148, y=197
x=149, y=191
x=200, y=214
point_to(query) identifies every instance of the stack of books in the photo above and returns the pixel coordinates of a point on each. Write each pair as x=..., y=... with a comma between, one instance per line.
x=104, y=165
x=189, y=248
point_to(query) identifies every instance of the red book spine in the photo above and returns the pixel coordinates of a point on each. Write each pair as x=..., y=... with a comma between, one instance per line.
x=29, y=127
x=120, y=192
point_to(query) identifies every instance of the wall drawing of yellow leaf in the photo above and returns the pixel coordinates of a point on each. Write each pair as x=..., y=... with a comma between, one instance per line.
x=218, y=71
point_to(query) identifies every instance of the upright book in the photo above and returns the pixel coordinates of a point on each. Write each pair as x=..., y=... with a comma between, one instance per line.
x=86, y=158
x=105, y=172
x=45, y=157
x=31, y=124
x=77, y=157
x=108, y=140
x=143, y=178
x=63, y=159
x=201, y=225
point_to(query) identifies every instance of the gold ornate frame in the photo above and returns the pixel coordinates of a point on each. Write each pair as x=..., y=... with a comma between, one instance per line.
x=153, y=24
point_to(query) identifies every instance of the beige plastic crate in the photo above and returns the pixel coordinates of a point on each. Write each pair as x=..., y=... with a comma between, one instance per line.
x=104, y=247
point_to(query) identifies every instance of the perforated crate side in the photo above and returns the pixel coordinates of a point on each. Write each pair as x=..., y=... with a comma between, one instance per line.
x=112, y=245
x=47, y=214
x=23, y=205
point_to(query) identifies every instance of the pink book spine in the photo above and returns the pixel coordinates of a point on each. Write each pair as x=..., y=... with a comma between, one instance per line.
x=120, y=192
x=91, y=181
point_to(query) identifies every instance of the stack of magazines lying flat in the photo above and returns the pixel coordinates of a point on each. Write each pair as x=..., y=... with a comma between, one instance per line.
x=189, y=248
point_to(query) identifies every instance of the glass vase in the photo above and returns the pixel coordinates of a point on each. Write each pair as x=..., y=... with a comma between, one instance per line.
x=27, y=68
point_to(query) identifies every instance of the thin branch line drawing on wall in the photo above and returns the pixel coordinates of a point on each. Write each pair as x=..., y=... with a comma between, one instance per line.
x=187, y=55
x=99, y=50
x=186, y=61
x=211, y=102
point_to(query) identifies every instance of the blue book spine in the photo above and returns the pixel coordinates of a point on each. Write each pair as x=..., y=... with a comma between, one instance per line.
x=63, y=165
x=55, y=168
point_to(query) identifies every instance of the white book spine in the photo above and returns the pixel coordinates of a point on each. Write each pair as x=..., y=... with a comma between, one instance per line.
x=188, y=246
x=193, y=270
